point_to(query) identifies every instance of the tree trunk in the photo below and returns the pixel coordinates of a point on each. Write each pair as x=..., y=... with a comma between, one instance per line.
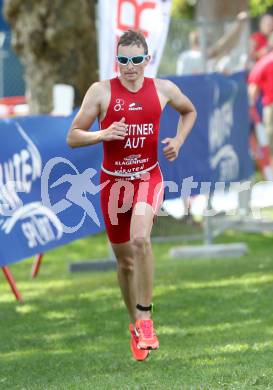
x=56, y=42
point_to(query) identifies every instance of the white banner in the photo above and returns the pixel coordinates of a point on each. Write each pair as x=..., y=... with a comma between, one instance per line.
x=116, y=16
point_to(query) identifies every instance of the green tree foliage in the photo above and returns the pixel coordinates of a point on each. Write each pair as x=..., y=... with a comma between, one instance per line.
x=258, y=7
x=183, y=9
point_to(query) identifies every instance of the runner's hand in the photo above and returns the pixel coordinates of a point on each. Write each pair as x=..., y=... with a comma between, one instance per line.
x=243, y=16
x=116, y=131
x=172, y=149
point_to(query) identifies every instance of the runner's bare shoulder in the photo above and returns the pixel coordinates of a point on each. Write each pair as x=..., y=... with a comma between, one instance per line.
x=165, y=90
x=99, y=92
x=165, y=86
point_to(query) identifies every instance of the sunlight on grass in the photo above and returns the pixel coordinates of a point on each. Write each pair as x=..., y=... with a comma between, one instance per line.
x=163, y=289
x=25, y=309
x=263, y=346
x=230, y=348
x=256, y=279
x=269, y=330
x=33, y=290
x=223, y=327
x=50, y=284
x=22, y=354
x=7, y=297
x=168, y=330
x=268, y=234
x=237, y=347
x=103, y=292
x=57, y=315
x=244, y=281
x=185, y=330
x=17, y=354
x=60, y=352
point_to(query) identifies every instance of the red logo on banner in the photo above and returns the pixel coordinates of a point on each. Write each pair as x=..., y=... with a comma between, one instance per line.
x=137, y=11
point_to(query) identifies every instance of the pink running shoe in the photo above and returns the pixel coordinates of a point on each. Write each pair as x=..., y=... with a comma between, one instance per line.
x=138, y=354
x=146, y=335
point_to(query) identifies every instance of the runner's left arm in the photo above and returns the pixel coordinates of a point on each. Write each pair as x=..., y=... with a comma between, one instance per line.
x=186, y=121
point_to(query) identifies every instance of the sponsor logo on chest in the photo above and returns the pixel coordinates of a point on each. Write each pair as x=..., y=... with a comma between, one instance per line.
x=135, y=107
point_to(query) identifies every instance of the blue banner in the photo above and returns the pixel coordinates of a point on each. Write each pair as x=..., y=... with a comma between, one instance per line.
x=217, y=149
x=4, y=26
x=49, y=193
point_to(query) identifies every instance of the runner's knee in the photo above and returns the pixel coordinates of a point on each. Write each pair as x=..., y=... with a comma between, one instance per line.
x=125, y=263
x=140, y=243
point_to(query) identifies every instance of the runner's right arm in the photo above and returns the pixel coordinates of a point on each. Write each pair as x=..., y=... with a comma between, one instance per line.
x=79, y=134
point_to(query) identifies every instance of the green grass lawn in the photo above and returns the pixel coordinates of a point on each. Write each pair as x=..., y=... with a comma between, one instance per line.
x=214, y=319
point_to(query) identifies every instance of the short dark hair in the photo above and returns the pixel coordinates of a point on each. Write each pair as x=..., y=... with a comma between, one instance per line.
x=133, y=37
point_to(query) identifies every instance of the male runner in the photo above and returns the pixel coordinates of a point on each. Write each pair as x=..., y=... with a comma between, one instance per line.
x=128, y=108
